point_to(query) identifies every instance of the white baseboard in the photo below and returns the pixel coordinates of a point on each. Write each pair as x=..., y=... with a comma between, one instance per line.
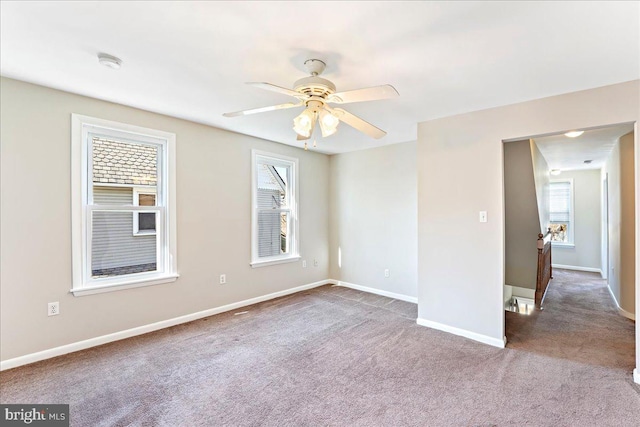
x=621, y=310
x=626, y=314
x=636, y=376
x=367, y=289
x=116, y=336
x=577, y=268
x=496, y=342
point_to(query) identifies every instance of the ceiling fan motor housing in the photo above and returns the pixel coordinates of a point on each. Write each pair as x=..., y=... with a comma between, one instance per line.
x=315, y=86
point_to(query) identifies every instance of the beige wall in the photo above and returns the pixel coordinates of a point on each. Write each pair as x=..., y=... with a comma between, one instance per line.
x=373, y=218
x=620, y=171
x=459, y=172
x=587, y=217
x=541, y=178
x=627, y=220
x=522, y=219
x=461, y=274
x=213, y=223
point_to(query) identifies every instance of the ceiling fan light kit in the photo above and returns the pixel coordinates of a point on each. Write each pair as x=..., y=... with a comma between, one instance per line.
x=315, y=94
x=328, y=123
x=303, y=124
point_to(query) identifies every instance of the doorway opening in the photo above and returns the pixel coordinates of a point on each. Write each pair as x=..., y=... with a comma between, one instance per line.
x=576, y=191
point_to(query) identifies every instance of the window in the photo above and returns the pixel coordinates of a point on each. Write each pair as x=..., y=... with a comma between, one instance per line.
x=561, y=212
x=144, y=223
x=123, y=180
x=274, y=209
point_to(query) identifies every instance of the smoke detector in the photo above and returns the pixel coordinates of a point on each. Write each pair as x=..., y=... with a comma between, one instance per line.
x=109, y=61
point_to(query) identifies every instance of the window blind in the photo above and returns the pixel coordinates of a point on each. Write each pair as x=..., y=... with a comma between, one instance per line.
x=560, y=201
x=273, y=210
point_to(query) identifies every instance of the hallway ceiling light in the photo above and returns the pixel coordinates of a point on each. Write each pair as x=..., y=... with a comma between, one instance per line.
x=574, y=133
x=555, y=172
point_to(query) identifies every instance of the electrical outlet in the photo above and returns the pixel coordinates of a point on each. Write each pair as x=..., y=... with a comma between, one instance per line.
x=223, y=279
x=53, y=309
x=304, y=263
x=315, y=262
x=386, y=272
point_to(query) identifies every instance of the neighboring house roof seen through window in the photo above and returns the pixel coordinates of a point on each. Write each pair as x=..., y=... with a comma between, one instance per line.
x=126, y=163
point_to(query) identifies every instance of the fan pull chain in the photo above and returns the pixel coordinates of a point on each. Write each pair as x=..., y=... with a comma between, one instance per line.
x=305, y=147
x=314, y=143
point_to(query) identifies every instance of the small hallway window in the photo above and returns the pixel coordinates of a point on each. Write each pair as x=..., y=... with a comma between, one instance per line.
x=561, y=211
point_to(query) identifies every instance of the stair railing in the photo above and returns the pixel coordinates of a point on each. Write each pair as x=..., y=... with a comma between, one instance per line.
x=545, y=273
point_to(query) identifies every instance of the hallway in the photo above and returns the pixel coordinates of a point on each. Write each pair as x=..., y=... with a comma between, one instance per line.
x=580, y=322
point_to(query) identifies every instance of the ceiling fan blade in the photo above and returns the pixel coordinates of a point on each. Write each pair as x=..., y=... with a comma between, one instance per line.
x=366, y=94
x=357, y=123
x=263, y=109
x=278, y=89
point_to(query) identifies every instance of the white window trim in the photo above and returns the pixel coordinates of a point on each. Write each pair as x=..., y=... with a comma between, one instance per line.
x=571, y=241
x=136, y=202
x=80, y=126
x=294, y=251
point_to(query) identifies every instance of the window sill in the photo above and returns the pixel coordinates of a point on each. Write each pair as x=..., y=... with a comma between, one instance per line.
x=256, y=264
x=128, y=284
x=142, y=233
x=563, y=245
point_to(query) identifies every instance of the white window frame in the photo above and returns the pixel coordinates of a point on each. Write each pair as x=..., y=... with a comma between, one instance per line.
x=292, y=197
x=137, y=191
x=570, y=243
x=82, y=207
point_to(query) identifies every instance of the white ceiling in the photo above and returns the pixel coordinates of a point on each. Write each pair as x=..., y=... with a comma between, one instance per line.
x=565, y=153
x=191, y=59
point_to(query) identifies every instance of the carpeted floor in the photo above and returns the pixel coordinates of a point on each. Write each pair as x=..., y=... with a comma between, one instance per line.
x=580, y=322
x=335, y=356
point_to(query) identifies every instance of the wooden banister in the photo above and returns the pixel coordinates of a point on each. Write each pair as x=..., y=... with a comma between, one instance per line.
x=545, y=273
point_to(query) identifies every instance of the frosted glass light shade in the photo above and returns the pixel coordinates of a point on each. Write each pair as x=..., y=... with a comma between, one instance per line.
x=328, y=123
x=303, y=124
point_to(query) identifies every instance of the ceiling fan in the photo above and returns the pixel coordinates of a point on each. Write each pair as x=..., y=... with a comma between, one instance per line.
x=315, y=94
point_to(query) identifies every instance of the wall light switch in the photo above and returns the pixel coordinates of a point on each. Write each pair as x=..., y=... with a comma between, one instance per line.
x=483, y=216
